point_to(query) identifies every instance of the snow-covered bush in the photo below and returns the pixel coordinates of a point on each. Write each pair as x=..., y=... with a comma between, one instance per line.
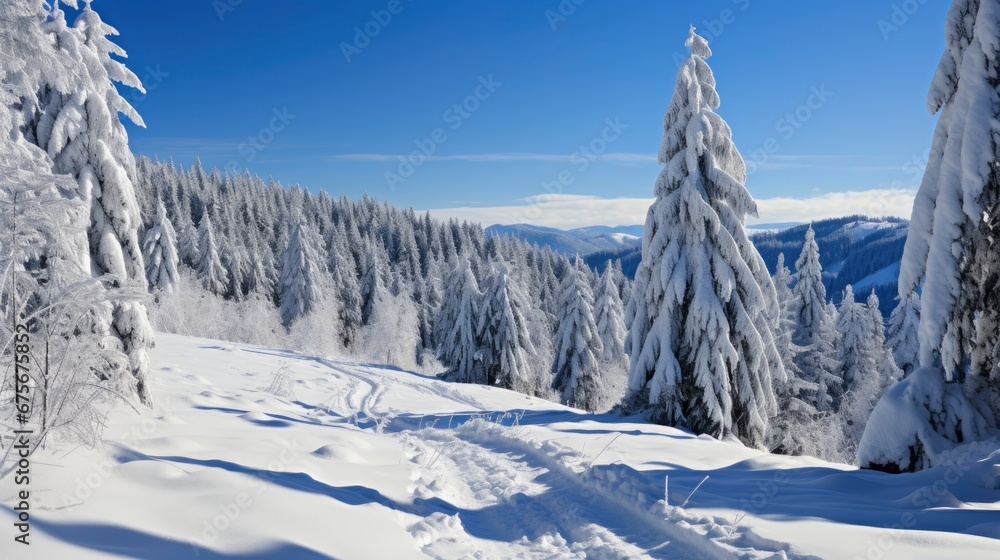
x=318, y=332
x=192, y=310
x=392, y=334
x=281, y=385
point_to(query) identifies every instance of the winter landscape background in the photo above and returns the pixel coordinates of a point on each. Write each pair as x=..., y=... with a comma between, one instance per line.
x=726, y=356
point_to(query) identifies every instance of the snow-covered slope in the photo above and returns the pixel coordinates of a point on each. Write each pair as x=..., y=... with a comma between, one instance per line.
x=363, y=461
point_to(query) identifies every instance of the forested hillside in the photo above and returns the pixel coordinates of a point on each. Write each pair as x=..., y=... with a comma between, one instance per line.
x=858, y=250
x=366, y=279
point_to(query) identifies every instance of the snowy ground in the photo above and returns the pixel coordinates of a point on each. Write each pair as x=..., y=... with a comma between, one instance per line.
x=370, y=462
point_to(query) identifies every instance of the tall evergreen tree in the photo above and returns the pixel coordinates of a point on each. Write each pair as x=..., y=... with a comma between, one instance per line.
x=503, y=330
x=78, y=125
x=609, y=312
x=886, y=371
x=701, y=343
x=187, y=235
x=943, y=245
x=797, y=397
x=948, y=205
x=809, y=291
x=259, y=278
x=819, y=364
x=458, y=326
x=303, y=275
x=209, y=266
x=578, y=343
x=782, y=280
x=373, y=286
x=857, y=351
x=236, y=261
x=345, y=281
x=867, y=386
x=159, y=249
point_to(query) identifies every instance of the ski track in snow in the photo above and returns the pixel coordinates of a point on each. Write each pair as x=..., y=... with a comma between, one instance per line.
x=570, y=518
x=500, y=473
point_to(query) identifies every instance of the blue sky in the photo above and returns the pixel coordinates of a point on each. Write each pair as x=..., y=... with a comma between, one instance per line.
x=560, y=103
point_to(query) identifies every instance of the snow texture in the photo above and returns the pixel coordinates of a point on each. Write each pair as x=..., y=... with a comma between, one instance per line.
x=450, y=471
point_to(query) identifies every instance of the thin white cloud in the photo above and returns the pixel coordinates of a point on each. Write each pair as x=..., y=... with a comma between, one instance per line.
x=772, y=162
x=499, y=157
x=572, y=211
x=842, y=162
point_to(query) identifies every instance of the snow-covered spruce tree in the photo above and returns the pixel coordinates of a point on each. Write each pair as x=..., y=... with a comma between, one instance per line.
x=577, y=375
x=931, y=416
x=782, y=280
x=809, y=291
x=823, y=359
x=857, y=349
x=76, y=121
x=236, y=261
x=259, y=281
x=888, y=371
x=303, y=275
x=457, y=322
x=875, y=368
x=548, y=294
x=609, y=312
x=373, y=286
x=62, y=305
x=45, y=269
x=797, y=396
x=703, y=306
x=347, y=290
x=904, y=323
x=624, y=284
x=209, y=265
x=159, y=250
x=187, y=239
x=984, y=381
x=423, y=292
x=504, y=337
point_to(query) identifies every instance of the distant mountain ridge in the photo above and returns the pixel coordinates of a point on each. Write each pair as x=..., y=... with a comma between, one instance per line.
x=858, y=250
x=581, y=241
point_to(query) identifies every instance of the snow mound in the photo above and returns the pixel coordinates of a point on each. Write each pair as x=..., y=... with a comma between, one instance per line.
x=917, y=422
x=338, y=452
